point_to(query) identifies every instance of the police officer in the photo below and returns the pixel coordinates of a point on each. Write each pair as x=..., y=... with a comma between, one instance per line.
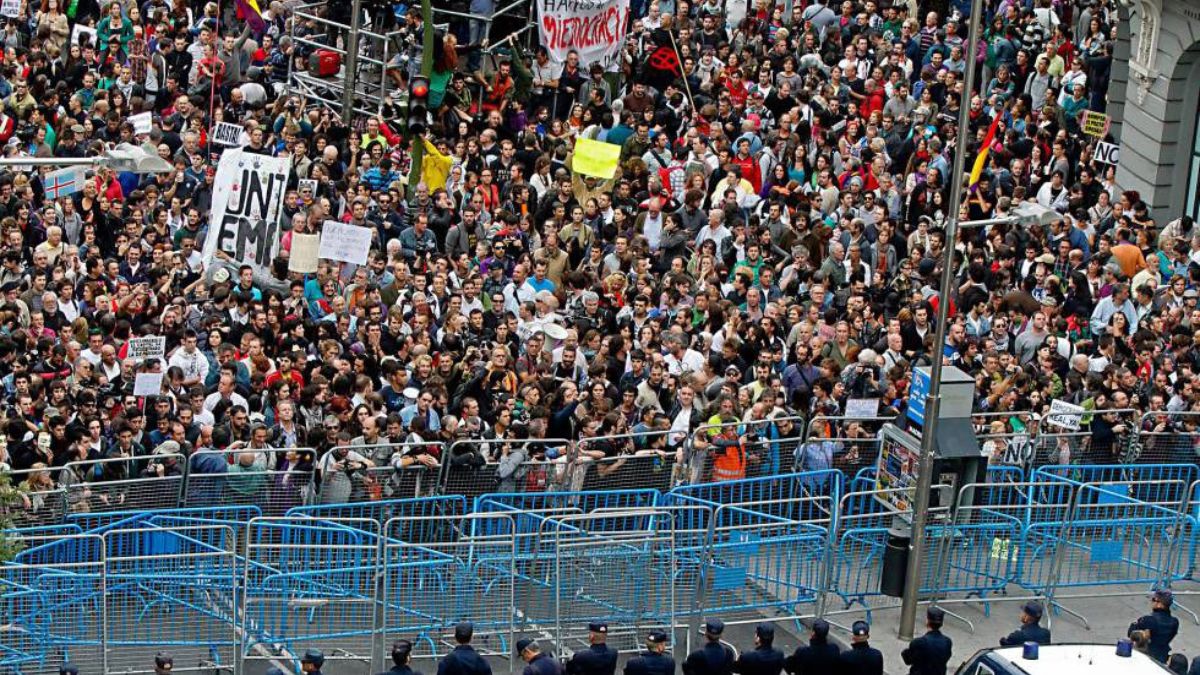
x=929, y=654
x=598, y=658
x=537, y=662
x=68, y=669
x=715, y=657
x=654, y=660
x=401, y=658
x=1030, y=630
x=861, y=658
x=765, y=659
x=463, y=659
x=817, y=657
x=312, y=661
x=1160, y=624
x=163, y=663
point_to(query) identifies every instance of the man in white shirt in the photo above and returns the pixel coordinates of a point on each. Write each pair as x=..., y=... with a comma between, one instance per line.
x=190, y=360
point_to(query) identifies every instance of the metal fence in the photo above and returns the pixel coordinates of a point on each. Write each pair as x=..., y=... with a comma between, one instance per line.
x=232, y=589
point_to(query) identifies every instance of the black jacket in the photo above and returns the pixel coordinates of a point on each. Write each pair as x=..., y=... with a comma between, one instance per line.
x=713, y=658
x=464, y=660
x=1163, y=627
x=861, y=659
x=596, y=660
x=650, y=663
x=764, y=660
x=928, y=654
x=1030, y=632
x=817, y=658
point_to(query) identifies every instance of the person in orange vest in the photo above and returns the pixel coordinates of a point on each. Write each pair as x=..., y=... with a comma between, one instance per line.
x=729, y=456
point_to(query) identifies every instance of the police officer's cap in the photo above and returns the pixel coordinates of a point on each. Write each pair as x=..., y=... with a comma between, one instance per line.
x=598, y=627
x=400, y=650
x=714, y=627
x=935, y=615
x=765, y=632
x=1033, y=609
x=526, y=643
x=463, y=630
x=1164, y=596
x=860, y=629
x=657, y=637
x=164, y=661
x=820, y=627
x=313, y=656
x=68, y=669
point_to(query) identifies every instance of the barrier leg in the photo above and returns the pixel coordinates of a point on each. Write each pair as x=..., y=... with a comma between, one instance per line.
x=1178, y=605
x=1057, y=606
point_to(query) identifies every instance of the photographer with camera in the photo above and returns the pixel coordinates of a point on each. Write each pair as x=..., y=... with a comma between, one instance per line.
x=336, y=471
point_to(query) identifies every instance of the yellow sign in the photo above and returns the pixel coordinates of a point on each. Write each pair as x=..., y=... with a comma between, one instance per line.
x=594, y=158
x=1095, y=123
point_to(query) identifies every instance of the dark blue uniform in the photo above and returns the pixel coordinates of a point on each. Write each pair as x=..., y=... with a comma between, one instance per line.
x=1162, y=627
x=464, y=660
x=650, y=663
x=401, y=670
x=713, y=658
x=928, y=654
x=764, y=660
x=543, y=664
x=1029, y=632
x=817, y=658
x=595, y=660
x=860, y=659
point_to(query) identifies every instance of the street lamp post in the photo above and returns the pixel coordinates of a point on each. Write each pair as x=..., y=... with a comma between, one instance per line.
x=123, y=158
x=916, y=550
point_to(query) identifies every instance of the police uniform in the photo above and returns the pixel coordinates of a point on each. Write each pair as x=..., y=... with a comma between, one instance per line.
x=597, y=659
x=764, y=659
x=400, y=651
x=651, y=662
x=714, y=658
x=1161, y=625
x=464, y=660
x=929, y=654
x=543, y=664
x=1028, y=632
x=861, y=658
x=816, y=658
x=314, y=658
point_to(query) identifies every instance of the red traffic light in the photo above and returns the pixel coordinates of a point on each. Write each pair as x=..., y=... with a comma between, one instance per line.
x=419, y=88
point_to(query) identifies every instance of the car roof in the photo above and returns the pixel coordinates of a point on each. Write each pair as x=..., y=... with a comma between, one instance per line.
x=1077, y=659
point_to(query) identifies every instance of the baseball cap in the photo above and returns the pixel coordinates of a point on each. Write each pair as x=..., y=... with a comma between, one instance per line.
x=598, y=627
x=657, y=637
x=525, y=643
x=164, y=661
x=860, y=628
x=820, y=627
x=68, y=669
x=714, y=627
x=765, y=631
x=1033, y=609
x=463, y=630
x=1164, y=595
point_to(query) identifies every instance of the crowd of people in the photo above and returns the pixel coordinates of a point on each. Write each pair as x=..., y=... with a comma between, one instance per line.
x=767, y=250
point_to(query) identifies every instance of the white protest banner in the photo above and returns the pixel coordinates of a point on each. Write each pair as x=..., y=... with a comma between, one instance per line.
x=862, y=408
x=304, y=254
x=344, y=242
x=81, y=29
x=147, y=384
x=593, y=28
x=248, y=193
x=1065, y=415
x=1108, y=153
x=11, y=8
x=153, y=347
x=229, y=135
x=142, y=123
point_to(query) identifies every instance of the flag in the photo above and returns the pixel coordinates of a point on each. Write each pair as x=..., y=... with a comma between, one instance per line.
x=435, y=167
x=248, y=11
x=64, y=182
x=981, y=158
x=661, y=66
x=595, y=158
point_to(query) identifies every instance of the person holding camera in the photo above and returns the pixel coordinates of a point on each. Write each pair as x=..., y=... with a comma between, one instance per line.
x=336, y=469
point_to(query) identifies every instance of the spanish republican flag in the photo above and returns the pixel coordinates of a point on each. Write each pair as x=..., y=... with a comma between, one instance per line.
x=981, y=158
x=249, y=11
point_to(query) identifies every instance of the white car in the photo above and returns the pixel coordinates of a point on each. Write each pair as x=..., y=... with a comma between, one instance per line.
x=1079, y=659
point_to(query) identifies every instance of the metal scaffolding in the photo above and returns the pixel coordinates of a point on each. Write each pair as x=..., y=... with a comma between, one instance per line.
x=378, y=48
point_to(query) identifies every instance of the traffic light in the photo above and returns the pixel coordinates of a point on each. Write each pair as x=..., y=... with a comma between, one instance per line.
x=418, y=98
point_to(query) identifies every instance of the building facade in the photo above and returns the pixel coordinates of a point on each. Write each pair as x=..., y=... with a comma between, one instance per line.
x=1155, y=94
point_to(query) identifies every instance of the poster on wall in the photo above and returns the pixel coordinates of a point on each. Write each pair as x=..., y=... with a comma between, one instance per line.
x=248, y=193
